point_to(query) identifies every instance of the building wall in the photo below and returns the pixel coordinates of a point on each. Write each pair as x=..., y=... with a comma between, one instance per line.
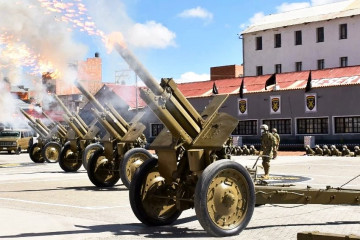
x=226, y=72
x=309, y=52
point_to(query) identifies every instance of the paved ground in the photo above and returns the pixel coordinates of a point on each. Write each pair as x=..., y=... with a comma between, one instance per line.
x=40, y=201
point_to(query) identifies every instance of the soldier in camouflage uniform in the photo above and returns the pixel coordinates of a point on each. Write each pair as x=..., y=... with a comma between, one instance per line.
x=277, y=142
x=239, y=151
x=346, y=152
x=356, y=151
x=253, y=150
x=246, y=151
x=309, y=151
x=334, y=151
x=267, y=148
x=318, y=151
x=326, y=151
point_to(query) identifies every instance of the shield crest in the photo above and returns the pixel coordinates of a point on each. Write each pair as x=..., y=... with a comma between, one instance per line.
x=310, y=102
x=242, y=106
x=275, y=104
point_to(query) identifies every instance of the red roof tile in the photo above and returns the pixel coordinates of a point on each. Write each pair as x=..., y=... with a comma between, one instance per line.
x=285, y=81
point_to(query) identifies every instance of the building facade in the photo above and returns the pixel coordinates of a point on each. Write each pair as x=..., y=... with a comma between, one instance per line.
x=306, y=39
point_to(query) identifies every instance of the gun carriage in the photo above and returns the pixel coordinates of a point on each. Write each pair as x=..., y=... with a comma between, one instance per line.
x=120, y=154
x=189, y=171
x=50, y=140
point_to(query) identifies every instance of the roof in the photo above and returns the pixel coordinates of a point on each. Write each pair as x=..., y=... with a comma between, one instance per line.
x=285, y=81
x=306, y=15
x=128, y=94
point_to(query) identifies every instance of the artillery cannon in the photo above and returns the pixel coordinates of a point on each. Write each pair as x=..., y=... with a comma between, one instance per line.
x=119, y=155
x=79, y=137
x=187, y=173
x=50, y=139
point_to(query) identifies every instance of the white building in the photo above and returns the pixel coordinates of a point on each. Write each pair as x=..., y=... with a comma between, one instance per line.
x=326, y=36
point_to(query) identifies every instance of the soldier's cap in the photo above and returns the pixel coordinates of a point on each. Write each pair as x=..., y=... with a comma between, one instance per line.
x=344, y=146
x=325, y=146
x=317, y=146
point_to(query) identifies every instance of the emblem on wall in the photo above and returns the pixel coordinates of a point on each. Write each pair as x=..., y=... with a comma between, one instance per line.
x=243, y=106
x=275, y=104
x=310, y=102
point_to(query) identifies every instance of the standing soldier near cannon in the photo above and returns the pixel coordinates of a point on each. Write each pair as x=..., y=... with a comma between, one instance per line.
x=277, y=142
x=267, y=148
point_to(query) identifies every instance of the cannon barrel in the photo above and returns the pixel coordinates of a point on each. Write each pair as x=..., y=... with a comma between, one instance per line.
x=106, y=124
x=89, y=96
x=176, y=103
x=61, y=129
x=35, y=125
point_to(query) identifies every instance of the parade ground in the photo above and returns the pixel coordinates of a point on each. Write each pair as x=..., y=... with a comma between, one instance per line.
x=41, y=201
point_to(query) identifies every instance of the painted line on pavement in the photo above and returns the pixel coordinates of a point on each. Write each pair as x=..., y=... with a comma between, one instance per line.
x=41, y=180
x=63, y=205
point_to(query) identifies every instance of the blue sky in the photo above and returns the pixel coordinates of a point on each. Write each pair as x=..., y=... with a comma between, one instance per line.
x=181, y=39
x=205, y=34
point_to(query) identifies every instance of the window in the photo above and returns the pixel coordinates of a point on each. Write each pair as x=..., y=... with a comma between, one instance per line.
x=320, y=64
x=347, y=125
x=258, y=43
x=320, y=34
x=298, y=66
x=277, y=68
x=247, y=127
x=156, y=129
x=312, y=126
x=277, y=40
x=298, y=38
x=343, y=31
x=283, y=126
x=259, y=70
x=343, y=62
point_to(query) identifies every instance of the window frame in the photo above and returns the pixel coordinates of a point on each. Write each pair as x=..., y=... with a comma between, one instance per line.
x=277, y=40
x=278, y=68
x=277, y=119
x=320, y=64
x=346, y=61
x=255, y=126
x=346, y=116
x=257, y=71
x=303, y=134
x=258, y=43
x=343, y=32
x=320, y=34
x=298, y=38
x=296, y=66
x=151, y=128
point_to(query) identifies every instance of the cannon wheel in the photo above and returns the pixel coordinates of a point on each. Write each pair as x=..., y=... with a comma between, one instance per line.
x=224, y=198
x=68, y=160
x=51, y=152
x=148, y=196
x=35, y=154
x=132, y=161
x=88, y=152
x=101, y=171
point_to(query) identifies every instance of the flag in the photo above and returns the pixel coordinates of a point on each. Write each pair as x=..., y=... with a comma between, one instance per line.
x=308, y=84
x=270, y=81
x=241, y=90
x=215, y=91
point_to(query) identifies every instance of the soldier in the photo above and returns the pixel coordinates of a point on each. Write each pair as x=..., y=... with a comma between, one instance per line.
x=334, y=151
x=277, y=142
x=356, y=151
x=309, y=151
x=239, y=151
x=326, y=151
x=246, y=151
x=267, y=148
x=346, y=152
x=318, y=151
x=253, y=150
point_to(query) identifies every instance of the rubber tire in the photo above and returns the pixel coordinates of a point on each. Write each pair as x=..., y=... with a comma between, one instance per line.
x=49, y=144
x=201, y=199
x=91, y=171
x=62, y=159
x=87, y=149
x=135, y=196
x=125, y=180
x=33, y=158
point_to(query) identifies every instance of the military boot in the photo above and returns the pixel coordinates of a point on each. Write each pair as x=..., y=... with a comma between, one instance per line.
x=266, y=166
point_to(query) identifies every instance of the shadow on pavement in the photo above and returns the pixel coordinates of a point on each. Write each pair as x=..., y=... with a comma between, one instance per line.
x=135, y=229
x=305, y=224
